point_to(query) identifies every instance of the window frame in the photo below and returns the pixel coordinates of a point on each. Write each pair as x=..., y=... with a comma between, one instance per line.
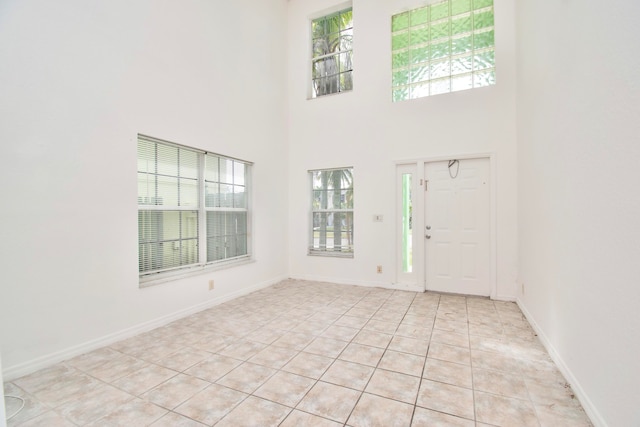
x=313, y=94
x=461, y=56
x=314, y=250
x=201, y=208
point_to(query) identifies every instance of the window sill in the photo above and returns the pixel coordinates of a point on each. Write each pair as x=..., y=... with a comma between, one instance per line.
x=156, y=279
x=331, y=254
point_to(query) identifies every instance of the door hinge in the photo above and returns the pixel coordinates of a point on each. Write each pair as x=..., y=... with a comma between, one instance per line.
x=426, y=184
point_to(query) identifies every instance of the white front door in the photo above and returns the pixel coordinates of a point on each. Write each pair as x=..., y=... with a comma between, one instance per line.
x=457, y=224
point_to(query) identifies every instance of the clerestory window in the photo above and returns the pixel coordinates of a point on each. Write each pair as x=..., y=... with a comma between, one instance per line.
x=443, y=47
x=332, y=57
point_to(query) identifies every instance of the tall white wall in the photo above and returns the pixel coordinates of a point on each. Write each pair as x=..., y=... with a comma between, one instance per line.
x=366, y=130
x=579, y=203
x=78, y=80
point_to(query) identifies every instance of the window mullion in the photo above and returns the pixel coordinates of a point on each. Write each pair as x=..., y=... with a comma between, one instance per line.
x=202, y=213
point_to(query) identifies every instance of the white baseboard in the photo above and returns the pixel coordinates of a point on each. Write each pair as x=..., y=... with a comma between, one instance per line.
x=25, y=368
x=582, y=396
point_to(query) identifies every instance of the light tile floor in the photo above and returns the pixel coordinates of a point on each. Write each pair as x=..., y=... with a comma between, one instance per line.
x=314, y=354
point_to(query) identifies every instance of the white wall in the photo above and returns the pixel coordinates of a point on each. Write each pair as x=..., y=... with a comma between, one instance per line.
x=579, y=209
x=79, y=79
x=364, y=129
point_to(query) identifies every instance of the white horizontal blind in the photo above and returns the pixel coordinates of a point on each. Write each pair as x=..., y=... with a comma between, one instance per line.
x=171, y=182
x=332, y=212
x=226, y=191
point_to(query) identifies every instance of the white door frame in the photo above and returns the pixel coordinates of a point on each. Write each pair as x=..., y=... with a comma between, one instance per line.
x=419, y=214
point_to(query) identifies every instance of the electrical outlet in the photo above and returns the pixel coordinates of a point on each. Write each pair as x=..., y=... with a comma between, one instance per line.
x=379, y=270
x=211, y=285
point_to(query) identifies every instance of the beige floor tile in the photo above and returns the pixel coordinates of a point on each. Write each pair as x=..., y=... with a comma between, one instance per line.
x=343, y=333
x=451, y=325
x=134, y=413
x=255, y=412
x=212, y=343
x=264, y=335
x=144, y=379
x=427, y=418
x=310, y=328
x=213, y=368
x=372, y=338
x=448, y=372
x=274, y=357
x=326, y=318
x=501, y=383
x=49, y=418
x=487, y=330
x=93, y=405
x=284, y=324
x=495, y=344
x=394, y=385
x=351, y=321
x=294, y=340
x=556, y=415
x=247, y=377
x=285, y=388
x=374, y=410
x=175, y=391
x=363, y=354
x=361, y=312
x=117, y=368
x=183, y=359
x=298, y=418
x=309, y=365
x=89, y=361
x=69, y=387
x=45, y=378
x=504, y=411
x=242, y=349
x=549, y=392
x=381, y=326
x=540, y=369
x=418, y=320
x=405, y=363
x=158, y=351
x=348, y=374
x=494, y=361
x=14, y=407
x=211, y=404
x=446, y=398
x=409, y=345
x=175, y=420
x=391, y=315
x=330, y=401
x=328, y=347
x=449, y=353
x=413, y=331
x=450, y=338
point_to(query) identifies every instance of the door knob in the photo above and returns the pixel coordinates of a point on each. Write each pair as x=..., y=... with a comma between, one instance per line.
x=428, y=236
x=428, y=227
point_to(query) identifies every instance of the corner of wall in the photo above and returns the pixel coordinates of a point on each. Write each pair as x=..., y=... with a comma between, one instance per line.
x=587, y=404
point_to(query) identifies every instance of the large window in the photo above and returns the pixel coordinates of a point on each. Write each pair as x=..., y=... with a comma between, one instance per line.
x=443, y=47
x=332, y=212
x=193, y=208
x=331, y=63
